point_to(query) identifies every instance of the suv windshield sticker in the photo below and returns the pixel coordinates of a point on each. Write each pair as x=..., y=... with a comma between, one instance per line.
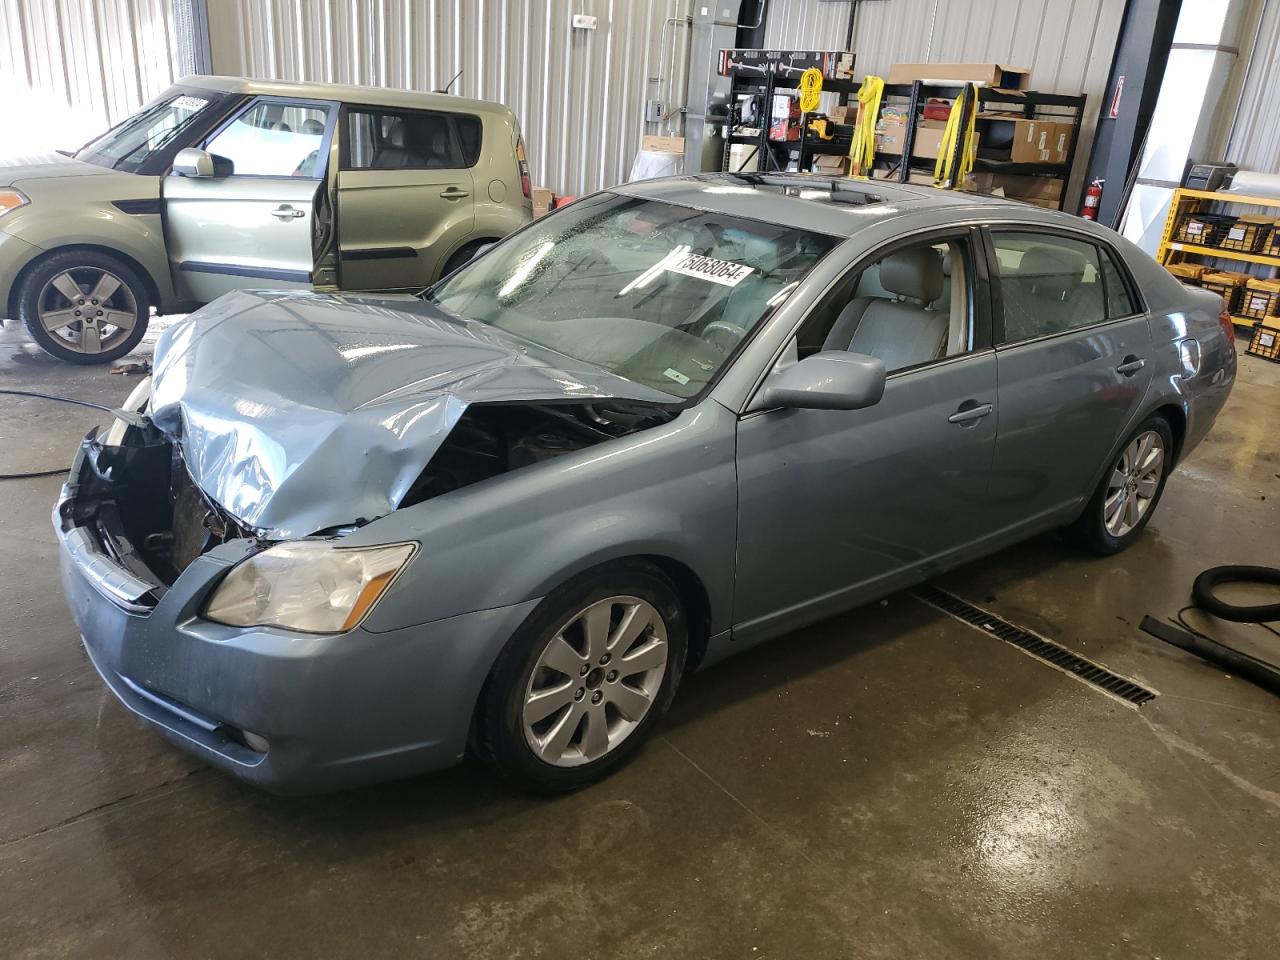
x=675, y=375
x=709, y=268
x=189, y=103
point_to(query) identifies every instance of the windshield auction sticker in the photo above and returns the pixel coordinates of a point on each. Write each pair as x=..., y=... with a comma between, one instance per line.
x=724, y=272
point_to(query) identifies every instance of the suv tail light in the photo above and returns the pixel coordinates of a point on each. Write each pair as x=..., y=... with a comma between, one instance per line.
x=1228, y=326
x=526, y=185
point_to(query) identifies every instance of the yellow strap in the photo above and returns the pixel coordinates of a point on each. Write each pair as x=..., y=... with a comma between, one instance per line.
x=942, y=171
x=862, y=151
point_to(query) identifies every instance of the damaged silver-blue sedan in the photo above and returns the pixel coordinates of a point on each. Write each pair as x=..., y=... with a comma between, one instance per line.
x=341, y=538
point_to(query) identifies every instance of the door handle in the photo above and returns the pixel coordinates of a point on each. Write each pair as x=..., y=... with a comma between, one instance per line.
x=970, y=411
x=286, y=212
x=1131, y=365
x=454, y=193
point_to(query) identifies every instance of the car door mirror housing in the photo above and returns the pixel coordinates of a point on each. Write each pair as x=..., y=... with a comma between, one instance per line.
x=831, y=380
x=194, y=162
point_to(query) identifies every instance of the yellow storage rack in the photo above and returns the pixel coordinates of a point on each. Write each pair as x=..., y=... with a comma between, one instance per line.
x=1197, y=201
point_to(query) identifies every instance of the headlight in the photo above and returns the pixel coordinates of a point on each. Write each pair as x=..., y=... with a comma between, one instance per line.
x=315, y=586
x=11, y=200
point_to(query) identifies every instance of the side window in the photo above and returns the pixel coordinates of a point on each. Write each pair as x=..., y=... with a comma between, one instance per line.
x=470, y=136
x=1048, y=284
x=406, y=140
x=910, y=307
x=1119, y=300
x=274, y=138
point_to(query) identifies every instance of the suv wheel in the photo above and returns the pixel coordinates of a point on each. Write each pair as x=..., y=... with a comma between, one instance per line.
x=582, y=682
x=84, y=306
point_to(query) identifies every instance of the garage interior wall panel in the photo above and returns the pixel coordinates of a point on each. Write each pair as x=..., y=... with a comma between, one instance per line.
x=579, y=94
x=1067, y=44
x=71, y=68
x=1255, y=142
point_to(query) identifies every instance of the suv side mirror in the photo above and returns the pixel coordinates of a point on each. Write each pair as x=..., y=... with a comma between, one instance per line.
x=831, y=380
x=194, y=162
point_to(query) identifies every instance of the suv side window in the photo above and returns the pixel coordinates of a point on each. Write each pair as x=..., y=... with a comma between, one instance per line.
x=910, y=307
x=409, y=140
x=1048, y=284
x=274, y=138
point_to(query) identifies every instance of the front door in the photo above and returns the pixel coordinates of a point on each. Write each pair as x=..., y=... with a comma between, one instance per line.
x=405, y=195
x=836, y=507
x=253, y=227
x=1073, y=355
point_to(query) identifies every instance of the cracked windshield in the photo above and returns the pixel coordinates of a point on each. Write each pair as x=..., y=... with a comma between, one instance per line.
x=655, y=292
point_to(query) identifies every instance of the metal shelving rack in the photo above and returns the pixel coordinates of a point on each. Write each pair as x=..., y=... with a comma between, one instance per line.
x=1032, y=105
x=1186, y=201
x=805, y=146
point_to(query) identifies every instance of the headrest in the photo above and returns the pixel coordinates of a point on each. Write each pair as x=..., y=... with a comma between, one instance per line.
x=914, y=273
x=1053, y=272
x=395, y=135
x=312, y=127
x=946, y=262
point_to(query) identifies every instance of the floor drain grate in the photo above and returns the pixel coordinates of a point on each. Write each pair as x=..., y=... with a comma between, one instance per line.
x=1122, y=688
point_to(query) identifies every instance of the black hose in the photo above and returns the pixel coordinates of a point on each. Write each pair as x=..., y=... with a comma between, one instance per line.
x=1202, y=594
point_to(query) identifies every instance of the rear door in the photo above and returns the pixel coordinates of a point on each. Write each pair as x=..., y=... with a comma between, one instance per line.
x=1073, y=352
x=405, y=194
x=256, y=226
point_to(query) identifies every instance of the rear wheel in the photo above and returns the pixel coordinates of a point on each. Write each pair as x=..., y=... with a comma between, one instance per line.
x=582, y=682
x=1128, y=493
x=84, y=306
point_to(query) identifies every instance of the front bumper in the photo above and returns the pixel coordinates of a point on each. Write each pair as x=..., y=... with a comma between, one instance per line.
x=335, y=711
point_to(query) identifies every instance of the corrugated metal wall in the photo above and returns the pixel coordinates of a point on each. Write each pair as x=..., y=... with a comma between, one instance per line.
x=579, y=94
x=1068, y=44
x=1255, y=142
x=71, y=68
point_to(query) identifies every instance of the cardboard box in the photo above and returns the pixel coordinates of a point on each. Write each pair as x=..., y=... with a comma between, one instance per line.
x=1017, y=187
x=658, y=144
x=831, y=164
x=844, y=114
x=917, y=177
x=1028, y=141
x=988, y=74
x=891, y=133
x=542, y=201
x=837, y=64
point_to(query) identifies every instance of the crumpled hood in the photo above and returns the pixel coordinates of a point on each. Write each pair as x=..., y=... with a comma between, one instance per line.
x=298, y=412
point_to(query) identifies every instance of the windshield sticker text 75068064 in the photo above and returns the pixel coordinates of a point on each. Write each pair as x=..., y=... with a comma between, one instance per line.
x=725, y=272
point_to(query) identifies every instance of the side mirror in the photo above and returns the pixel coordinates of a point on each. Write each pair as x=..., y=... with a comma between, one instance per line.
x=831, y=380
x=194, y=162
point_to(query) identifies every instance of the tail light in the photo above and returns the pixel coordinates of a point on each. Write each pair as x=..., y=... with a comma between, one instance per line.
x=522, y=161
x=1228, y=326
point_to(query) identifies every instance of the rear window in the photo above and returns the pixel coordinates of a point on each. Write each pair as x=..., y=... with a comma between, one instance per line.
x=409, y=140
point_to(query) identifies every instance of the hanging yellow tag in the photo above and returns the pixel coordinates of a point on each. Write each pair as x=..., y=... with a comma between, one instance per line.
x=810, y=89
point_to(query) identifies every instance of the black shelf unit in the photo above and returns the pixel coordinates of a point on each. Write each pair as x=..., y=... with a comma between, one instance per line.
x=1030, y=103
x=806, y=146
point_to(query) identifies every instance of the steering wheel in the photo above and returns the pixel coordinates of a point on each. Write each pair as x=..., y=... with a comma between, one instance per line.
x=722, y=335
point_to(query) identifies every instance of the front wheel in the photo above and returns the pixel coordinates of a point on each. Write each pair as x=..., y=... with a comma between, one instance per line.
x=582, y=682
x=1128, y=493
x=84, y=306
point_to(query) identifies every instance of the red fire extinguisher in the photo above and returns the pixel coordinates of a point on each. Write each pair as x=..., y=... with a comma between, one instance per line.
x=1092, y=197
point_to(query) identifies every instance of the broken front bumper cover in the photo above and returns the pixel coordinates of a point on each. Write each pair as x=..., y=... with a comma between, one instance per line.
x=324, y=711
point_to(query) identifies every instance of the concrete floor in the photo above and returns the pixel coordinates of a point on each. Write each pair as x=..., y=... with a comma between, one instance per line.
x=891, y=783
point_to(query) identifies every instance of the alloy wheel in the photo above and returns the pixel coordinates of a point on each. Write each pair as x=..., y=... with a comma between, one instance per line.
x=87, y=309
x=1133, y=483
x=595, y=681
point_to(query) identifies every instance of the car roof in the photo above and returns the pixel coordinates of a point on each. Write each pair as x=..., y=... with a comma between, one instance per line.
x=345, y=92
x=825, y=204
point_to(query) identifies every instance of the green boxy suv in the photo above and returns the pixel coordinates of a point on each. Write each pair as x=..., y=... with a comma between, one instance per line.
x=223, y=183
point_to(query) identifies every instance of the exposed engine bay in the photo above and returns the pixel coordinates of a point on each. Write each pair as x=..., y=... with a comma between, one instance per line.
x=138, y=497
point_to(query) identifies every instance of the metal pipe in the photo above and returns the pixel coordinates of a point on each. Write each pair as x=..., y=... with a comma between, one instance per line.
x=662, y=49
x=933, y=22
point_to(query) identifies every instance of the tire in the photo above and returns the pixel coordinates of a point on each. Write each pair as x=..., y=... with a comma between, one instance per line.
x=583, y=699
x=462, y=256
x=1100, y=528
x=46, y=295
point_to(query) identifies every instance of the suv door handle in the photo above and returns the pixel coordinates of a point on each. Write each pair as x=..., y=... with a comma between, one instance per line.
x=1131, y=365
x=454, y=193
x=970, y=411
x=286, y=212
